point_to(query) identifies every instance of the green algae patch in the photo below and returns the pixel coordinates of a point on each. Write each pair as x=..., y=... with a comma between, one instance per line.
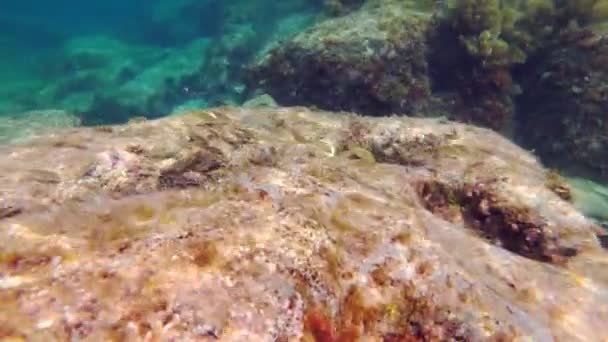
x=504, y=33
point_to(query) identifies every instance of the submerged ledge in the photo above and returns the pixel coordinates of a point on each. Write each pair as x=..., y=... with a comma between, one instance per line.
x=284, y=224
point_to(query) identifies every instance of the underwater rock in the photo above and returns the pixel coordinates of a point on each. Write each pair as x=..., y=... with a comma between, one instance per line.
x=569, y=128
x=151, y=87
x=395, y=57
x=285, y=224
x=461, y=59
x=90, y=64
x=182, y=52
x=372, y=61
x=180, y=21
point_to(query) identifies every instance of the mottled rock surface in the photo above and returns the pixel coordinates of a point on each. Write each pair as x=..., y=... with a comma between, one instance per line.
x=371, y=61
x=569, y=128
x=285, y=224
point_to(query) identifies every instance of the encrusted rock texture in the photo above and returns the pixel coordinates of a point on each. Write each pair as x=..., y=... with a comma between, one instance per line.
x=571, y=125
x=479, y=62
x=371, y=61
x=287, y=224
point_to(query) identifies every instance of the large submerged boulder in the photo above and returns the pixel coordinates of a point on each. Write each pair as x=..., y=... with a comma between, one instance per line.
x=285, y=224
x=372, y=61
x=569, y=128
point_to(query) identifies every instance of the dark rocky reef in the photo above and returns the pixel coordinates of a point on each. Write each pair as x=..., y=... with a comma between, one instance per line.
x=394, y=57
x=569, y=128
x=493, y=43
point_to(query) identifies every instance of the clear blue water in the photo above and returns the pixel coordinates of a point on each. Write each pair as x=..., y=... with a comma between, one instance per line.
x=107, y=61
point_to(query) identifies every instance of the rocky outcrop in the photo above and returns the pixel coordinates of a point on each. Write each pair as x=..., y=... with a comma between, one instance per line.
x=480, y=62
x=284, y=223
x=183, y=53
x=568, y=128
x=372, y=61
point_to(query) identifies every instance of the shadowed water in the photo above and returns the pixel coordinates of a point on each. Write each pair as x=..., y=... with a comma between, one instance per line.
x=107, y=61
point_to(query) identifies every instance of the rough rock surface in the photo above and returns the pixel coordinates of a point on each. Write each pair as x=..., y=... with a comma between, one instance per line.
x=285, y=224
x=372, y=61
x=569, y=129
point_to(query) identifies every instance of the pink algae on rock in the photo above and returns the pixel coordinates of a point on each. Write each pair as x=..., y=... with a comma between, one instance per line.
x=287, y=224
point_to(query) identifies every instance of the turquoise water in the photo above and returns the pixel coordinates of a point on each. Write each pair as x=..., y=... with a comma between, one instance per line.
x=107, y=61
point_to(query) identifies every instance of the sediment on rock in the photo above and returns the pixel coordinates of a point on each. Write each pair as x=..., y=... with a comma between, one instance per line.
x=286, y=223
x=508, y=225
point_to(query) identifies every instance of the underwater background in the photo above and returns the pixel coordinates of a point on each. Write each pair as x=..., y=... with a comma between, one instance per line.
x=106, y=61
x=304, y=170
x=535, y=71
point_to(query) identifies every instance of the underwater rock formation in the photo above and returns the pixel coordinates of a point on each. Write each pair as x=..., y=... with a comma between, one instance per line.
x=283, y=224
x=404, y=57
x=410, y=57
x=372, y=61
x=180, y=21
x=569, y=128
